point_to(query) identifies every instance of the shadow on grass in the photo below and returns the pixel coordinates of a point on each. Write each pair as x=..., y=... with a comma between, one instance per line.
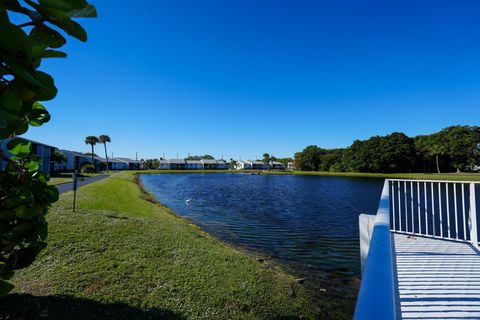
x=26, y=307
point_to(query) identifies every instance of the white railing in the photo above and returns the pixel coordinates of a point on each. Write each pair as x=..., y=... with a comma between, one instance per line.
x=376, y=299
x=439, y=209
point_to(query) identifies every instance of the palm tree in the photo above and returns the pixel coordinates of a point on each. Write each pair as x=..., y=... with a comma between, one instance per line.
x=104, y=139
x=92, y=140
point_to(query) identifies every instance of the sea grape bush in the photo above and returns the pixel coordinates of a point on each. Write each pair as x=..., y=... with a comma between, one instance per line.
x=30, y=31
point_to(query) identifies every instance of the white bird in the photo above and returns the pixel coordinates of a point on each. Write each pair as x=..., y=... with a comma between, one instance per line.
x=188, y=200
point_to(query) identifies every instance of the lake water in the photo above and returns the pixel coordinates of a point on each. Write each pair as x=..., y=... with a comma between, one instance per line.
x=309, y=222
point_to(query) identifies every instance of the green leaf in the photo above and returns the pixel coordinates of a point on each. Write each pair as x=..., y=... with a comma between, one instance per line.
x=53, y=54
x=60, y=18
x=15, y=125
x=19, y=146
x=87, y=12
x=74, y=29
x=38, y=115
x=10, y=99
x=43, y=35
x=43, y=233
x=5, y=287
x=3, y=122
x=52, y=193
x=31, y=165
x=7, y=215
x=25, y=212
x=12, y=5
x=48, y=90
x=21, y=231
x=22, y=72
x=72, y=8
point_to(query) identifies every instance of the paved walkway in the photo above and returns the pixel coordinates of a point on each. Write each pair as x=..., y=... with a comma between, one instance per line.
x=64, y=187
x=437, y=279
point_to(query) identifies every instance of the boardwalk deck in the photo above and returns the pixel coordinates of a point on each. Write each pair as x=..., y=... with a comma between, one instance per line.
x=436, y=278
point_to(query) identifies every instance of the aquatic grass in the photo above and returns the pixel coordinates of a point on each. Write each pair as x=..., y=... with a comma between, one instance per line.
x=122, y=257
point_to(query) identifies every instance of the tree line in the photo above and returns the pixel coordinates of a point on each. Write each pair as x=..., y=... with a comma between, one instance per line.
x=455, y=148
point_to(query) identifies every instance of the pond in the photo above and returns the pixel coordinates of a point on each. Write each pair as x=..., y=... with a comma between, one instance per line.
x=308, y=222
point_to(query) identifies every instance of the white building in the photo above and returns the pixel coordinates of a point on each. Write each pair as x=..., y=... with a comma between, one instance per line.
x=193, y=165
x=163, y=164
x=275, y=165
x=243, y=165
x=76, y=160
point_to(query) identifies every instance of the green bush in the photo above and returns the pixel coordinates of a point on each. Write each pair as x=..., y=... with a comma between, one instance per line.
x=88, y=168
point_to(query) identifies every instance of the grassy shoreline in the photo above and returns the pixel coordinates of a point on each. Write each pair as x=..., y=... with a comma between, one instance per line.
x=123, y=256
x=416, y=176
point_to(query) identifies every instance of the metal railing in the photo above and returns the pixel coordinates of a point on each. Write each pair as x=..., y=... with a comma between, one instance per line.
x=439, y=209
x=376, y=299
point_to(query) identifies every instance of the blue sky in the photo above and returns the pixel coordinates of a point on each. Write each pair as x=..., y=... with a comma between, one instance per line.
x=248, y=77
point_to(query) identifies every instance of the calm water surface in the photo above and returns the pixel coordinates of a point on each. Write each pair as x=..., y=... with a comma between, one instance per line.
x=309, y=222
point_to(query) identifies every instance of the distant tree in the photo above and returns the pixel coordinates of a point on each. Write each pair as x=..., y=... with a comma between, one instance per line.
x=92, y=141
x=462, y=145
x=297, y=161
x=431, y=146
x=266, y=158
x=105, y=139
x=311, y=158
x=206, y=156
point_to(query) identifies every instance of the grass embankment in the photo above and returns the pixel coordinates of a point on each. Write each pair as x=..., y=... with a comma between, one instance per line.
x=122, y=256
x=67, y=177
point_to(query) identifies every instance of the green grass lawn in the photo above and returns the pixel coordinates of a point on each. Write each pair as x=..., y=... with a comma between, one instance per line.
x=122, y=256
x=67, y=177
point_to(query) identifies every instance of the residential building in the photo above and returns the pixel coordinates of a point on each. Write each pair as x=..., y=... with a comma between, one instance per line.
x=194, y=164
x=275, y=165
x=163, y=164
x=291, y=165
x=177, y=164
x=209, y=164
x=76, y=160
x=243, y=165
x=128, y=164
x=41, y=150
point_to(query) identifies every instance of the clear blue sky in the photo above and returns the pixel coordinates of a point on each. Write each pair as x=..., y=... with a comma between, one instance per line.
x=247, y=77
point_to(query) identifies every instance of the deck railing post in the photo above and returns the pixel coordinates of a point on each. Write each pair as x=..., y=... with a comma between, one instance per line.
x=472, y=217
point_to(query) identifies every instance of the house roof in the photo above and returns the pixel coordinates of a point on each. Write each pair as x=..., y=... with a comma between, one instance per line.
x=193, y=162
x=243, y=161
x=209, y=161
x=127, y=160
x=276, y=162
x=163, y=161
x=254, y=162
x=177, y=161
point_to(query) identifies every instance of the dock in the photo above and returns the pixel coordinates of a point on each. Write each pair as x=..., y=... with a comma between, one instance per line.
x=420, y=252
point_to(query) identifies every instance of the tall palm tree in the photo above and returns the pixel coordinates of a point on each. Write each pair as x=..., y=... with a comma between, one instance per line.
x=104, y=139
x=92, y=140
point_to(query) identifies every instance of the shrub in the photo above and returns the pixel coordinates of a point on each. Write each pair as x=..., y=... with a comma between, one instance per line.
x=88, y=168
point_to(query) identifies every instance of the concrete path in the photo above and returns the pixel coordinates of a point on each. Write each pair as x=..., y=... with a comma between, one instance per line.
x=64, y=187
